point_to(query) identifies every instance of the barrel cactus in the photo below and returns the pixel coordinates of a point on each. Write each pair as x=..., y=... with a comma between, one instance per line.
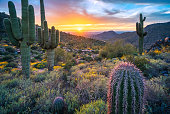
x=140, y=32
x=59, y=106
x=22, y=34
x=126, y=90
x=48, y=39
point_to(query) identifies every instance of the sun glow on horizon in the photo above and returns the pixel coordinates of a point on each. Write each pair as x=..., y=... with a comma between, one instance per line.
x=79, y=29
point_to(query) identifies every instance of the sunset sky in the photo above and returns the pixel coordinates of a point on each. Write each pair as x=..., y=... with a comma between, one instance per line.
x=97, y=15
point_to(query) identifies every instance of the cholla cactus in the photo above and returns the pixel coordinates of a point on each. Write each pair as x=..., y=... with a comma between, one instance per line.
x=126, y=90
x=22, y=35
x=48, y=40
x=140, y=32
x=59, y=106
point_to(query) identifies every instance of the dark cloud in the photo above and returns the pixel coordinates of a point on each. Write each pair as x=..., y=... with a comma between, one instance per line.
x=111, y=12
x=139, y=1
x=159, y=16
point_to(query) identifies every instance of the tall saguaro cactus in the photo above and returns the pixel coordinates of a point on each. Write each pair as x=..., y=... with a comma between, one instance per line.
x=22, y=34
x=140, y=32
x=48, y=39
x=126, y=90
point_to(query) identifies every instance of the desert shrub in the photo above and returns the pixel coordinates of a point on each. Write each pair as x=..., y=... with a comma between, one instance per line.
x=38, y=77
x=6, y=69
x=69, y=64
x=71, y=101
x=40, y=65
x=96, y=52
x=5, y=76
x=33, y=60
x=88, y=59
x=59, y=55
x=11, y=83
x=7, y=58
x=10, y=102
x=95, y=107
x=103, y=53
x=142, y=63
x=157, y=96
x=10, y=49
x=12, y=64
x=117, y=49
x=99, y=89
x=99, y=59
x=163, y=56
x=38, y=57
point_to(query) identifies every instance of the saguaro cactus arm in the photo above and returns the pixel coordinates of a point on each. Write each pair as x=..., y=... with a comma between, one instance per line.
x=8, y=27
x=42, y=10
x=14, y=21
x=31, y=24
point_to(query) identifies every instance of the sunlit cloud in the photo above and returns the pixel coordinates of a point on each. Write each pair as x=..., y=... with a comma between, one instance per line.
x=97, y=15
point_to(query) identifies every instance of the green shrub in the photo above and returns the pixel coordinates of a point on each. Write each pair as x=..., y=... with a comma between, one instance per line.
x=40, y=65
x=38, y=57
x=10, y=49
x=99, y=59
x=71, y=101
x=59, y=55
x=88, y=59
x=118, y=49
x=6, y=69
x=38, y=78
x=141, y=62
x=7, y=58
x=11, y=83
x=69, y=64
x=12, y=64
x=95, y=107
x=157, y=96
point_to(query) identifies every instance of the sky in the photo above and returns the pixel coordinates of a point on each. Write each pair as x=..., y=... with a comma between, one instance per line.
x=97, y=15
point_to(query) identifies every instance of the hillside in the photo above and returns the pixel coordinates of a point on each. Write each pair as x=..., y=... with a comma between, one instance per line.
x=105, y=35
x=79, y=41
x=155, y=32
x=2, y=28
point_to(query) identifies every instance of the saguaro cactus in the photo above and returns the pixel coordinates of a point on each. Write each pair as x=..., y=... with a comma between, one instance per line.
x=126, y=90
x=140, y=32
x=22, y=35
x=48, y=39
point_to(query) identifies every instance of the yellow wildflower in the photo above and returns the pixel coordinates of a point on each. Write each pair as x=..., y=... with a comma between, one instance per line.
x=57, y=67
x=3, y=63
x=63, y=65
x=157, y=51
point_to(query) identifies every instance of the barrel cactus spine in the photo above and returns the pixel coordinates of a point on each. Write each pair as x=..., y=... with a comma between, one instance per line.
x=126, y=91
x=140, y=32
x=22, y=34
x=48, y=39
x=59, y=106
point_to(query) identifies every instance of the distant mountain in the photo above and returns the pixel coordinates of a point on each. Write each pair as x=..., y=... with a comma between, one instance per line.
x=155, y=32
x=79, y=41
x=105, y=35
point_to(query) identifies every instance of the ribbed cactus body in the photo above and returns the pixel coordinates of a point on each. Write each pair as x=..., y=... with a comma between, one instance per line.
x=140, y=32
x=126, y=90
x=48, y=39
x=22, y=35
x=58, y=106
